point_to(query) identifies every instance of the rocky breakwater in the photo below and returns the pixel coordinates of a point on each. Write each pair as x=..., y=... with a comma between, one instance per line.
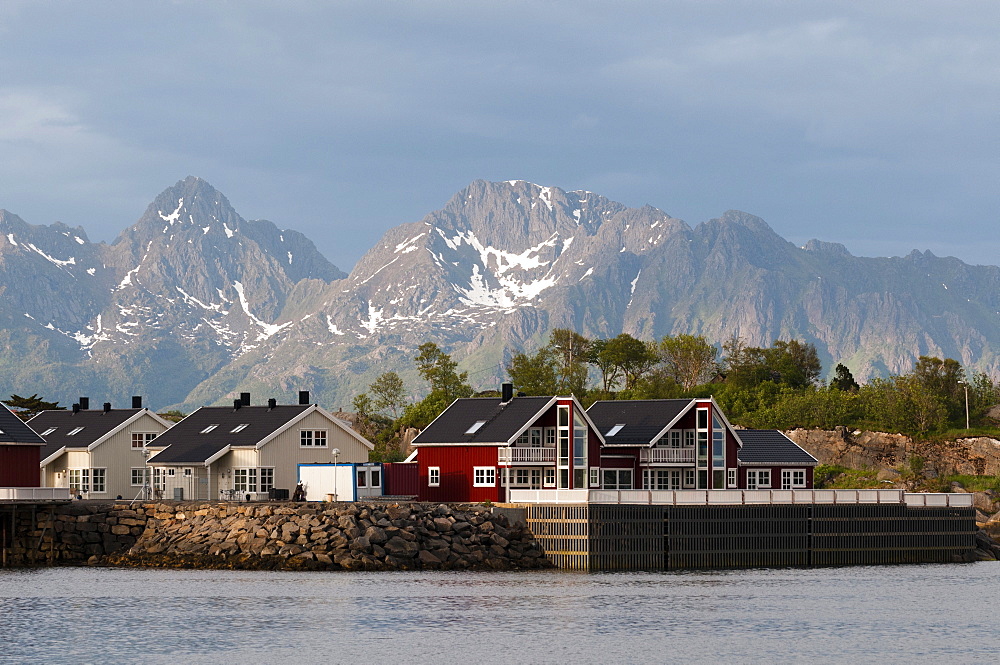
x=331, y=536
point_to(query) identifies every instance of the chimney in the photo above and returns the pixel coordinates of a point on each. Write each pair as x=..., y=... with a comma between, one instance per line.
x=303, y=397
x=84, y=403
x=237, y=403
x=76, y=408
x=272, y=404
x=245, y=398
x=107, y=407
x=136, y=401
x=506, y=392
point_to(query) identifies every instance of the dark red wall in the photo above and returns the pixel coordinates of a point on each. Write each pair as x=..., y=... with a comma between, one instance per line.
x=456, y=463
x=19, y=466
x=400, y=479
x=775, y=476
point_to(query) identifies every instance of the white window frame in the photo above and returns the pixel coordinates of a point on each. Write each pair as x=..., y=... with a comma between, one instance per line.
x=48, y=431
x=265, y=478
x=730, y=478
x=209, y=428
x=99, y=480
x=310, y=438
x=142, y=439
x=521, y=477
x=788, y=479
x=690, y=478
x=239, y=428
x=141, y=476
x=484, y=476
x=74, y=431
x=758, y=479
x=619, y=475
x=595, y=476
x=433, y=476
x=375, y=477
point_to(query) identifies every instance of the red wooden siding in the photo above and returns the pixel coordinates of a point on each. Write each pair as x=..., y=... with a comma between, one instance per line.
x=19, y=466
x=400, y=479
x=456, y=464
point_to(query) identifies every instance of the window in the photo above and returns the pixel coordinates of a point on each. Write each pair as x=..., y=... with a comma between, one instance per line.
x=49, y=431
x=758, y=479
x=239, y=428
x=209, y=428
x=312, y=438
x=142, y=439
x=595, y=476
x=521, y=477
x=245, y=480
x=793, y=479
x=475, y=427
x=536, y=478
x=433, y=476
x=731, y=477
x=688, y=477
x=188, y=471
x=376, y=478
x=617, y=479
x=362, y=477
x=675, y=439
x=614, y=430
x=138, y=477
x=484, y=476
x=97, y=480
x=266, y=479
x=550, y=477
x=79, y=480
x=74, y=431
x=550, y=437
x=689, y=438
x=536, y=437
x=158, y=475
x=661, y=479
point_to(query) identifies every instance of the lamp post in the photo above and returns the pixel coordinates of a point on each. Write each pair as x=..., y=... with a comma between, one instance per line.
x=966, y=386
x=336, y=454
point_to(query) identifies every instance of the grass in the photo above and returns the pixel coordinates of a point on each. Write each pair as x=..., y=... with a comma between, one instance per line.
x=833, y=477
x=976, y=483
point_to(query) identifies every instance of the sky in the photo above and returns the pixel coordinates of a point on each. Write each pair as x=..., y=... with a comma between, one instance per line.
x=873, y=124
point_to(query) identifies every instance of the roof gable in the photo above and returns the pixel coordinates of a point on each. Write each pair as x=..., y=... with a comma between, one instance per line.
x=770, y=446
x=86, y=428
x=642, y=421
x=13, y=430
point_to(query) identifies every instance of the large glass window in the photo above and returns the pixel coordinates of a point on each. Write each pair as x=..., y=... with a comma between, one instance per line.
x=793, y=479
x=617, y=479
x=266, y=479
x=138, y=477
x=661, y=479
x=758, y=479
x=245, y=480
x=142, y=439
x=98, y=478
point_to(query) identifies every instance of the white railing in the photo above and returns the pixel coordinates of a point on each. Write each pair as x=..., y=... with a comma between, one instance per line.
x=666, y=456
x=739, y=497
x=548, y=496
x=518, y=455
x=34, y=494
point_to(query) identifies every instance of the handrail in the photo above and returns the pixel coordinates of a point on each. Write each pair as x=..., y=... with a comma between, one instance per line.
x=741, y=497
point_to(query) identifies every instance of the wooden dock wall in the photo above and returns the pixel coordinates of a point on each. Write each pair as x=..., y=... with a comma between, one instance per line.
x=636, y=537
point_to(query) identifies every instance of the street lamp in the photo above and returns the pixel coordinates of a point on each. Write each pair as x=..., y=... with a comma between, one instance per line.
x=336, y=454
x=966, y=386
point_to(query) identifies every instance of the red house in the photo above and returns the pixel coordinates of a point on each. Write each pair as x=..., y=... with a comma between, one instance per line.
x=666, y=444
x=479, y=447
x=20, y=452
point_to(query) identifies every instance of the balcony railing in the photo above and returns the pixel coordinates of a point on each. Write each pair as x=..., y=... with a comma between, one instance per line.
x=740, y=497
x=666, y=456
x=520, y=455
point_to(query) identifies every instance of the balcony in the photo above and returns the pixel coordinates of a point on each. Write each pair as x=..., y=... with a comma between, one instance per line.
x=520, y=455
x=666, y=456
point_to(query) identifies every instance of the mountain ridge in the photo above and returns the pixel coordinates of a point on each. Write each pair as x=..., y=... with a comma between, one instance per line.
x=193, y=303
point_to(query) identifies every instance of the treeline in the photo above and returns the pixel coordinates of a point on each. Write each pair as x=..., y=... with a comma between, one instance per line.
x=779, y=386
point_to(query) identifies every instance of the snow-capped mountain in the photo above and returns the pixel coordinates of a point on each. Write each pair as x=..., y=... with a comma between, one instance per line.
x=194, y=303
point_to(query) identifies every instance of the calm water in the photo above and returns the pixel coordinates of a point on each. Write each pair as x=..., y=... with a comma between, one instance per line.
x=889, y=614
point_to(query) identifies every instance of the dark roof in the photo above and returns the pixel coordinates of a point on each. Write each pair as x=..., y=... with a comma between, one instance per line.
x=769, y=446
x=95, y=423
x=185, y=444
x=502, y=421
x=643, y=419
x=15, y=430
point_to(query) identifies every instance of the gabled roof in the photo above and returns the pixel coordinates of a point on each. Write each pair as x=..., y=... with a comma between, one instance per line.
x=489, y=421
x=90, y=427
x=769, y=446
x=188, y=443
x=13, y=430
x=643, y=420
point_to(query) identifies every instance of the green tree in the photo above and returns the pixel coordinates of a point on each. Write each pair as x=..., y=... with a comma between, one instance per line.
x=622, y=358
x=438, y=369
x=843, y=379
x=688, y=359
x=28, y=407
x=572, y=350
x=388, y=393
x=792, y=363
x=941, y=379
x=537, y=374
